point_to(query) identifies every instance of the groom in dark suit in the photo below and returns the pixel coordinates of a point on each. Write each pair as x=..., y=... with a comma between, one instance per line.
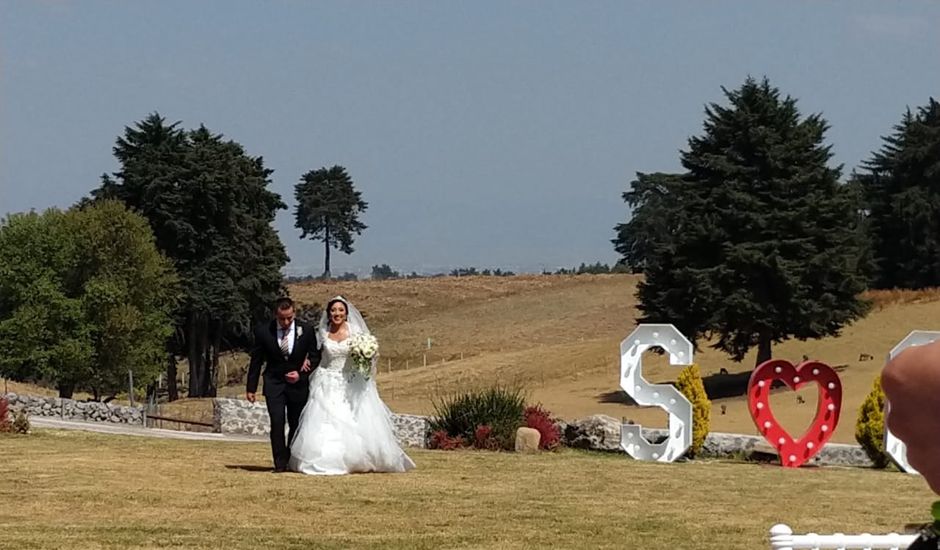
x=290, y=351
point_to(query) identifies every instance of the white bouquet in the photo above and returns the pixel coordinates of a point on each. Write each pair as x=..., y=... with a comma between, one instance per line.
x=363, y=349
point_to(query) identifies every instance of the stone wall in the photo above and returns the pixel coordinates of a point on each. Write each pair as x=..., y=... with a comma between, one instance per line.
x=237, y=416
x=602, y=433
x=598, y=432
x=69, y=409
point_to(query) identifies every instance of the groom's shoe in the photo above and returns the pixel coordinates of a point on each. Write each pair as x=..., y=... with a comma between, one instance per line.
x=280, y=469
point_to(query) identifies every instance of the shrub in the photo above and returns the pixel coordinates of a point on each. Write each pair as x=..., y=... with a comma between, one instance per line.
x=21, y=423
x=441, y=441
x=541, y=420
x=870, y=426
x=691, y=386
x=483, y=438
x=499, y=408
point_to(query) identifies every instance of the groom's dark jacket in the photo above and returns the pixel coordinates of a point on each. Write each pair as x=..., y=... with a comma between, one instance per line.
x=267, y=351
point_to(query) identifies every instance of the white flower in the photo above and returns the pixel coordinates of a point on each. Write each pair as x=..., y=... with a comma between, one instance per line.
x=300, y=331
x=363, y=349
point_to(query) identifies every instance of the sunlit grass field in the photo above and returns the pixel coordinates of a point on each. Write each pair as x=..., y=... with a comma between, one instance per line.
x=80, y=490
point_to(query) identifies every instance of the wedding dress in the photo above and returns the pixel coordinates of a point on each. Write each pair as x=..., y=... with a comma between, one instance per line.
x=345, y=427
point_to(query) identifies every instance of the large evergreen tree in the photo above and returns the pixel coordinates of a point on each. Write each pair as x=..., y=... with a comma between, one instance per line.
x=328, y=209
x=764, y=246
x=208, y=204
x=901, y=187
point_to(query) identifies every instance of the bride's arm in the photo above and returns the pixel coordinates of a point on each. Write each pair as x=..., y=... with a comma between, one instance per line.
x=315, y=351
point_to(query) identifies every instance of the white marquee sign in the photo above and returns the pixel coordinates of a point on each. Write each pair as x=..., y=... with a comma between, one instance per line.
x=665, y=396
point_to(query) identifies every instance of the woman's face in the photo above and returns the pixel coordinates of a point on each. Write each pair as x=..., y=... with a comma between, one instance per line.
x=338, y=313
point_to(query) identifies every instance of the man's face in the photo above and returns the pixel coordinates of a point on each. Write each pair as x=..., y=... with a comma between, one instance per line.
x=285, y=317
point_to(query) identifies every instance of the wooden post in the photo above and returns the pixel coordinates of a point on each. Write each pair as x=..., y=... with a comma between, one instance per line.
x=130, y=383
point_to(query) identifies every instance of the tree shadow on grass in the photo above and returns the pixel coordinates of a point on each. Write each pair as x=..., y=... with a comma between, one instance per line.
x=722, y=385
x=717, y=386
x=248, y=467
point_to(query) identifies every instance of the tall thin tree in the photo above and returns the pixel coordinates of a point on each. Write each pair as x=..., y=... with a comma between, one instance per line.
x=328, y=209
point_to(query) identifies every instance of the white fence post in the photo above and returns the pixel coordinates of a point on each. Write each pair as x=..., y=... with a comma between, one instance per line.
x=782, y=538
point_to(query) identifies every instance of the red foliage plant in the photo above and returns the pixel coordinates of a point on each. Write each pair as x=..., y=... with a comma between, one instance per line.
x=5, y=424
x=539, y=419
x=483, y=438
x=441, y=441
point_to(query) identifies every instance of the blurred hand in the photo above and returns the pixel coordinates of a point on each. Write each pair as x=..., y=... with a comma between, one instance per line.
x=250, y=396
x=292, y=377
x=306, y=367
x=912, y=384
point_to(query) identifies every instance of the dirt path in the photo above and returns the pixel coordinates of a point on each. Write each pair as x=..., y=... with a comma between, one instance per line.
x=127, y=429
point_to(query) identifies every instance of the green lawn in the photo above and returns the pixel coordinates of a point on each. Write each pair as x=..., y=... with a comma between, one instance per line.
x=81, y=490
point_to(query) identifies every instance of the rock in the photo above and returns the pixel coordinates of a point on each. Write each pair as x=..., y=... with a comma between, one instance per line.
x=599, y=432
x=527, y=440
x=761, y=451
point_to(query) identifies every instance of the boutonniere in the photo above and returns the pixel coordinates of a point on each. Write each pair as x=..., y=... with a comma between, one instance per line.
x=300, y=331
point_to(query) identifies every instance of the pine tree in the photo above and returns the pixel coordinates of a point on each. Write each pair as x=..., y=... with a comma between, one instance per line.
x=901, y=186
x=328, y=209
x=209, y=207
x=763, y=247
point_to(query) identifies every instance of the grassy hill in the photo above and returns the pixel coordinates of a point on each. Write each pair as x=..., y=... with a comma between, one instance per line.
x=559, y=336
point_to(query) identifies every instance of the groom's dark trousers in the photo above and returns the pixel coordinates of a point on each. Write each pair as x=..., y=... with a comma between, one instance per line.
x=284, y=400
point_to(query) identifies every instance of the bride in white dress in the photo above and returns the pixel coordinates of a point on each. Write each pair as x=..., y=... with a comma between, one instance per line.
x=345, y=427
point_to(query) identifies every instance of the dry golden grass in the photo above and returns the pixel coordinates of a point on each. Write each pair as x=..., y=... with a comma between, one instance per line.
x=884, y=298
x=81, y=490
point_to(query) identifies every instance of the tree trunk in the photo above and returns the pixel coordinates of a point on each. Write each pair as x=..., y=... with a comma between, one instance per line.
x=214, y=361
x=173, y=392
x=66, y=390
x=326, y=241
x=764, y=352
x=197, y=354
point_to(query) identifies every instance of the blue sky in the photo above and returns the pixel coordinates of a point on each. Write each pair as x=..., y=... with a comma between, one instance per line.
x=488, y=134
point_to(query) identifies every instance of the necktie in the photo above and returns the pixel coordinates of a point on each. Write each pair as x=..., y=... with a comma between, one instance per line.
x=285, y=345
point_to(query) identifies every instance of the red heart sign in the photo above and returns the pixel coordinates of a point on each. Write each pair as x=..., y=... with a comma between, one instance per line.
x=795, y=452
